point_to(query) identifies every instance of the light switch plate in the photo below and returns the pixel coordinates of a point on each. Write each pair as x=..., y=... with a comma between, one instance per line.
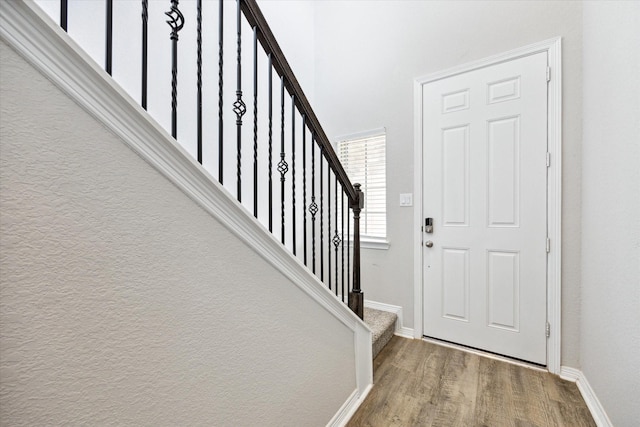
x=406, y=199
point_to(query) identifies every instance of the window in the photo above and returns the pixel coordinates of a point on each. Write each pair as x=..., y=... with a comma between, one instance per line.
x=363, y=157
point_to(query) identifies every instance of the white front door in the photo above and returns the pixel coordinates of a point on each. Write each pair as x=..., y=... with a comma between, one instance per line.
x=485, y=185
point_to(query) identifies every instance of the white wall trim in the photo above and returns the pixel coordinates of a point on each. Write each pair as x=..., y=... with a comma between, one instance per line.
x=554, y=185
x=588, y=394
x=349, y=408
x=400, y=329
x=31, y=33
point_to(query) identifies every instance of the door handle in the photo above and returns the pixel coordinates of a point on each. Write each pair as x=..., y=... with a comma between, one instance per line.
x=428, y=244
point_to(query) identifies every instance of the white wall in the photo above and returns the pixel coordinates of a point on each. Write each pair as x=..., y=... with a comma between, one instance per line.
x=368, y=55
x=123, y=302
x=292, y=22
x=610, y=321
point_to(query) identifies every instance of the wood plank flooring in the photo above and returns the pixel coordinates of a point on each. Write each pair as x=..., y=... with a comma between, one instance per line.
x=417, y=383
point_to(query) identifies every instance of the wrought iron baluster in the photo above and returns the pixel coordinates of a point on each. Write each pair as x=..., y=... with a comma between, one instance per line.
x=176, y=22
x=239, y=106
x=145, y=20
x=321, y=219
x=64, y=8
x=283, y=167
x=108, y=50
x=329, y=222
x=336, y=237
x=220, y=89
x=255, y=122
x=348, y=251
x=313, y=207
x=270, y=145
x=304, y=186
x=342, y=240
x=293, y=171
x=199, y=76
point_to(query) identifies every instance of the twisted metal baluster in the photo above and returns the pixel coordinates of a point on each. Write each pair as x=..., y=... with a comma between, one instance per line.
x=293, y=171
x=239, y=107
x=255, y=122
x=336, y=238
x=176, y=22
x=321, y=219
x=220, y=89
x=283, y=167
x=304, y=185
x=342, y=240
x=145, y=20
x=329, y=221
x=313, y=207
x=348, y=250
x=270, y=145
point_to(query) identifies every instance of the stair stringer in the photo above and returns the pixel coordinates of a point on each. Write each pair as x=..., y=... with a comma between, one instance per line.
x=30, y=32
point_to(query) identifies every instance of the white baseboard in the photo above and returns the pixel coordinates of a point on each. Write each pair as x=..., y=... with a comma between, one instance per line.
x=342, y=417
x=405, y=332
x=401, y=330
x=597, y=411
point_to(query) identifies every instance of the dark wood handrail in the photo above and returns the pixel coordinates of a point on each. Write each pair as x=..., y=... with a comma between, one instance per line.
x=254, y=16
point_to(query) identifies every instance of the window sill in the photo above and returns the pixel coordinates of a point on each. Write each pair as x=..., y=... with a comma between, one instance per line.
x=372, y=243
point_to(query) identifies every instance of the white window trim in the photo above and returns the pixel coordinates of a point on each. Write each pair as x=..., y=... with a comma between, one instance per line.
x=367, y=242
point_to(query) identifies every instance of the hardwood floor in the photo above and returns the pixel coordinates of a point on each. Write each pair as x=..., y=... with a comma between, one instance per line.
x=417, y=383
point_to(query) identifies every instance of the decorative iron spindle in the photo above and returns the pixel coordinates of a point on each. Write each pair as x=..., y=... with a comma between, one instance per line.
x=145, y=20
x=220, y=87
x=109, y=36
x=283, y=167
x=321, y=219
x=293, y=172
x=336, y=237
x=329, y=222
x=199, y=77
x=270, y=145
x=342, y=240
x=64, y=8
x=176, y=22
x=304, y=186
x=255, y=122
x=348, y=252
x=239, y=107
x=313, y=207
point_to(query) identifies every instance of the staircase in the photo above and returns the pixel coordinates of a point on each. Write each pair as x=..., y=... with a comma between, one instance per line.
x=382, y=325
x=251, y=252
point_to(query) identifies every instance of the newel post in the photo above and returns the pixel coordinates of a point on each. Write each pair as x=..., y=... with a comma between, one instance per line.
x=356, y=297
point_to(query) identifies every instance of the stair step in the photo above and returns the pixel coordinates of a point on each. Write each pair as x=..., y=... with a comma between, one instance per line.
x=382, y=325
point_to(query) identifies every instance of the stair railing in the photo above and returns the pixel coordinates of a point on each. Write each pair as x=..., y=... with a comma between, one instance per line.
x=330, y=181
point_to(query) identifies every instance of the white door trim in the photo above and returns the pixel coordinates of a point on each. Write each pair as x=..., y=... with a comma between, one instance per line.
x=554, y=185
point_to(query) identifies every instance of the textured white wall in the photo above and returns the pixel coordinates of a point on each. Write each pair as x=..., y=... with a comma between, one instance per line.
x=368, y=55
x=292, y=22
x=610, y=326
x=122, y=302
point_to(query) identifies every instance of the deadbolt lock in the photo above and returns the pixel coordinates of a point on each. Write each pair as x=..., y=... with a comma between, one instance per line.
x=428, y=225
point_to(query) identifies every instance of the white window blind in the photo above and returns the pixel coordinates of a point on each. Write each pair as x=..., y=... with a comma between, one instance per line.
x=364, y=160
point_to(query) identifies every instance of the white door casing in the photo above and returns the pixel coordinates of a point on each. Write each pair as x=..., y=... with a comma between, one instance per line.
x=481, y=148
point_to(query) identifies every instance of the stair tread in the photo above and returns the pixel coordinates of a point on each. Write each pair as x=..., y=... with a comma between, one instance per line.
x=382, y=325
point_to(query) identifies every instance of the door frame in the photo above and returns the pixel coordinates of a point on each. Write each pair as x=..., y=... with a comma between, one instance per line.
x=554, y=185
